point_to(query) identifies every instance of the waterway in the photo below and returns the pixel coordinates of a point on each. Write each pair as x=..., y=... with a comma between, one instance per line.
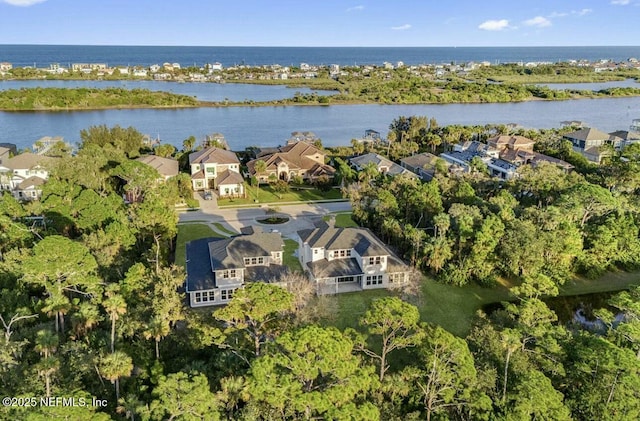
x=335, y=125
x=593, y=86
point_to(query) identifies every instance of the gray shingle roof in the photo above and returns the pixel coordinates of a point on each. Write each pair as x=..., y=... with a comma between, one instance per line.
x=331, y=238
x=230, y=253
x=337, y=267
x=165, y=166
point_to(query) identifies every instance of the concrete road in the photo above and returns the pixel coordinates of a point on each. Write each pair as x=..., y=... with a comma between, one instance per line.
x=302, y=216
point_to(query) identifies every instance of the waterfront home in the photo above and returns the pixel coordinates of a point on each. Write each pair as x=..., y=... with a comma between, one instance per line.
x=518, y=150
x=384, y=165
x=589, y=142
x=23, y=175
x=217, y=267
x=216, y=169
x=348, y=259
x=423, y=165
x=5, y=67
x=166, y=167
x=464, y=155
x=298, y=159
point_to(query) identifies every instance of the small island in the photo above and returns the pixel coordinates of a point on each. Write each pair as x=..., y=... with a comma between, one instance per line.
x=63, y=99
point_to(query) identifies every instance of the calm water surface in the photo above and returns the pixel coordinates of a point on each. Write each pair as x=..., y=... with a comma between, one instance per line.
x=335, y=125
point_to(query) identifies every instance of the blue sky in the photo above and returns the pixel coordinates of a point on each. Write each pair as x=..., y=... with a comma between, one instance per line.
x=321, y=23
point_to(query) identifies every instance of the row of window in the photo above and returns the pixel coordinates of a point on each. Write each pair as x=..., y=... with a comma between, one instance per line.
x=373, y=280
x=251, y=261
x=210, y=296
x=231, y=273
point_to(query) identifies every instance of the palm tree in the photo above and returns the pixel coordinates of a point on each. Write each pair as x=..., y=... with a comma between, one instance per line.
x=259, y=167
x=157, y=329
x=114, y=366
x=46, y=344
x=116, y=306
x=85, y=319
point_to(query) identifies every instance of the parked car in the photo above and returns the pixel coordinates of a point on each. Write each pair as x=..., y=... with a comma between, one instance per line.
x=208, y=195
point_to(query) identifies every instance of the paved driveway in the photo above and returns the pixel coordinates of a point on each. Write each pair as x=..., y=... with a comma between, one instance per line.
x=301, y=216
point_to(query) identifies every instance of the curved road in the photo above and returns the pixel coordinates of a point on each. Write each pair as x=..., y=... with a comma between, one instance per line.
x=302, y=216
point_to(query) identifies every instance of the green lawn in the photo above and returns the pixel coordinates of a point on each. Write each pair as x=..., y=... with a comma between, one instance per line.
x=188, y=232
x=266, y=194
x=454, y=308
x=343, y=220
x=224, y=230
x=290, y=246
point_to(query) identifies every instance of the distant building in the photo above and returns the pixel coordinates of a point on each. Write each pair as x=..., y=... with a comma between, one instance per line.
x=423, y=165
x=5, y=67
x=384, y=165
x=23, y=175
x=588, y=142
x=166, y=167
x=297, y=159
x=216, y=169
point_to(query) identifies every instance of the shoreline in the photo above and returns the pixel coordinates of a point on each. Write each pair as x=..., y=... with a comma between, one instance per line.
x=210, y=104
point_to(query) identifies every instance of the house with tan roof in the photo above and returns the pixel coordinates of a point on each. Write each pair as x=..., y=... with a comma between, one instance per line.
x=23, y=175
x=348, y=259
x=589, y=142
x=216, y=169
x=217, y=267
x=518, y=150
x=296, y=159
x=166, y=167
x=384, y=165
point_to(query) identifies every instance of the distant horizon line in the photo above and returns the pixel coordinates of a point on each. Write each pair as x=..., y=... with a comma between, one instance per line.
x=323, y=46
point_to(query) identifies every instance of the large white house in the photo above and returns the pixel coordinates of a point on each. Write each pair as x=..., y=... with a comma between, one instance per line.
x=217, y=267
x=348, y=259
x=216, y=169
x=23, y=175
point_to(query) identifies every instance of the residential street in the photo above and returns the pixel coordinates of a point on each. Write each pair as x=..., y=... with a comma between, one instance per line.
x=301, y=216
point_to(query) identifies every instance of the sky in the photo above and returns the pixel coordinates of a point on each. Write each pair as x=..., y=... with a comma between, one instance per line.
x=330, y=23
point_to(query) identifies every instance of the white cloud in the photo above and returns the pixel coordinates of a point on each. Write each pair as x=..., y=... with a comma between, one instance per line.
x=355, y=8
x=494, y=25
x=401, y=27
x=538, y=21
x=582, y=12
x=23, y=3
x=620, y=2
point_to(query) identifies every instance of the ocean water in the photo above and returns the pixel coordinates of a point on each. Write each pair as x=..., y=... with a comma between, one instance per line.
x=43, y=55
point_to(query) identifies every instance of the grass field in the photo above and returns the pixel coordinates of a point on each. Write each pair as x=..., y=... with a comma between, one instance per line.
x=224, y=230
x=188, y=232
x=343, y=220
x=454, y=308
x=266, y=194
x=288, y=258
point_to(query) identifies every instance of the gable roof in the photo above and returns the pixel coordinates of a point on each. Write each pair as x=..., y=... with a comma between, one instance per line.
x=213, y=156
x=588, y=134
x=329, y=237
x=28, y=160
x=229, y=177
x=32, y=181
x=379, y=161
x=165, y=166
x=296, y=156
x=230, y=253
x=420, y=160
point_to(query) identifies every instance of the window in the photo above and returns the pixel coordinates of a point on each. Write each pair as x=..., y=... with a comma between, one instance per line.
x=229, y=274
x=396, y=277
x=375, y=260
x=374, y=280
x=204, y=297
x=343, y=253
x=315, y=251
x=211, y=170
x=252, y=261
x=346, y=279
x=226, y=294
